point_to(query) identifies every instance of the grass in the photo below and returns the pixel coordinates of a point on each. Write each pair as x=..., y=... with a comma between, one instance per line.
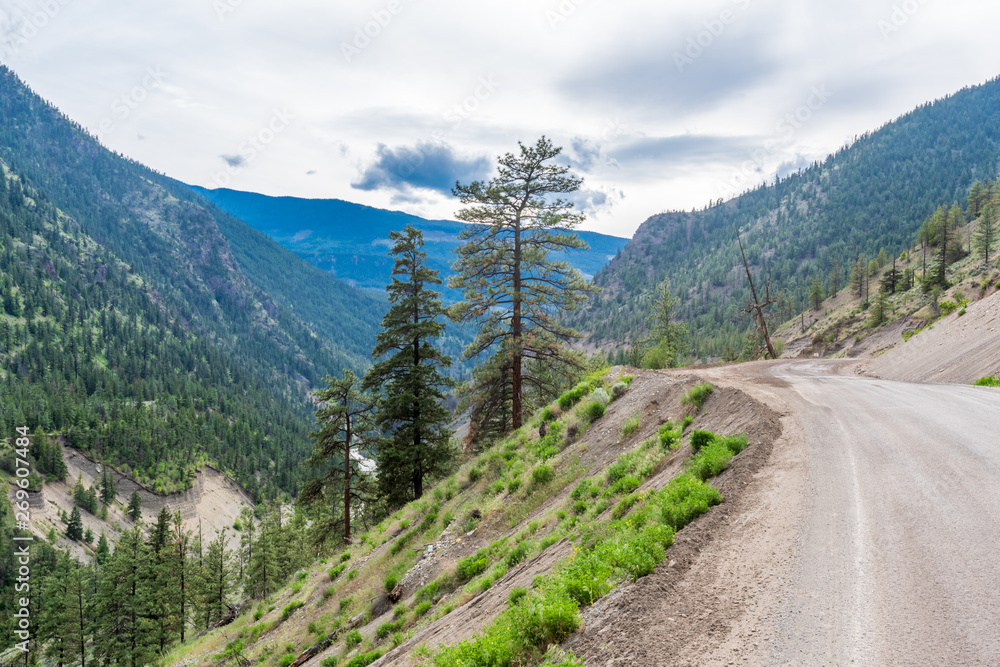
x=988, y=381
x=695, y=398
x=631, y=426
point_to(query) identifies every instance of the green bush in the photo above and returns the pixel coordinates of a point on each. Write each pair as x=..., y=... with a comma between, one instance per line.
x=582, y=490
x=573, y=396
x=711, y=460
x=363, y=659
x=391, y=580
x=346, y=602
x=687, y=422
x=631, y=426
x=618, y=390
x=290, y=608
x=549, y=415
x=626, y=484
x=336, y=571
x=387, y=629
x=601, y=396
x=513, y=485
x=947, y=307
x=579, y=507
x=352, y=639
x=286, y=659
x=474, y=475
x=735, y=443
x=346, y=556
x=330, y=661
x=623, y=507
x=988, y=381
x=517, y=554
x=700, y=439
x=517, y=595
x=669, y=438
x=684, y=499
x=695, y=398
x=432, y=591
x=542, y=475
x=472, y=566
x=593, y=411
x=618, y=470
x=422, y=608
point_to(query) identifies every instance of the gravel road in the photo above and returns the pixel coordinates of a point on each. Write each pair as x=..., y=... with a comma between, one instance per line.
x=895, y=558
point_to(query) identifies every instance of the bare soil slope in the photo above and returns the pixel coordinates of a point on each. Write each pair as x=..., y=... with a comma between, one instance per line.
x=958, y=349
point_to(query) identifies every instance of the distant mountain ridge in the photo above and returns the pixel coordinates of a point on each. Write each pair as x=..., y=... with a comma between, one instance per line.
x=870, y=195
x=188, y=301
x=351, y=240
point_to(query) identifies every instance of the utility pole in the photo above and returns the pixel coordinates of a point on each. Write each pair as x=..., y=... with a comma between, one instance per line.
x=756, y=307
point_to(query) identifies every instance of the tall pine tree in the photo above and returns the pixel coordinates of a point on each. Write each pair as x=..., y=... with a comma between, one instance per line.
x=515, y=291
x=986, y=233
x=407, y=379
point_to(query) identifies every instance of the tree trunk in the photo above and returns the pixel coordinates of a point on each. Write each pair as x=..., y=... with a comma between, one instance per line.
x=515, y=330
x=347, y=483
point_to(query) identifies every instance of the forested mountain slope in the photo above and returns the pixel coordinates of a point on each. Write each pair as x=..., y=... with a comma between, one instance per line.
x=145, y=323
x=351, y=240
x=870, y=195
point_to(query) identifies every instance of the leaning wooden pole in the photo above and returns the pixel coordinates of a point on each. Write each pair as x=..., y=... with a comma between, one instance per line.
x=758, y=309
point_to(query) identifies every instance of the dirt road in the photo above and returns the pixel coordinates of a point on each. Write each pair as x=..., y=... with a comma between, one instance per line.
x=895, y=553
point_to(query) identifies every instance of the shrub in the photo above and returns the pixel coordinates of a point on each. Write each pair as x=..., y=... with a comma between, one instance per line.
x=422, y=608
x=687, y=422
x=947, y=307
x=346, y=602
x=618, y=470
x=352, y=639
x=735, y=443
x=363, y=659
x=601, y=396
x=513, y=485
x=623, y=507
x=626, y=484
x=290, y=608
x=700, y=439
x=517, y=595
x=330, y=661
x=286, y=659
x=472, y=566
x=336, y=571
x=352, y=575
x=684, y=499
x=346, y=556
x=387, y=629
x=391, y=580
x=582, y=490
x=988, y=381
x=573, y=396
x=474, y=475
x=618, y=390
x=711, y=460
x=549, y=414
x=579, y=507
x=631, y=425
x=542, y=475
x=593, y=411
x=399, y=610
x=695, y=398
x=517, y=554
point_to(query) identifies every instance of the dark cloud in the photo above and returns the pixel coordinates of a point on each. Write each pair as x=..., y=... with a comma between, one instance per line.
x=662, y=79
x=592, y=202
x=234, y=161
x=684, y=149
x=427, y=166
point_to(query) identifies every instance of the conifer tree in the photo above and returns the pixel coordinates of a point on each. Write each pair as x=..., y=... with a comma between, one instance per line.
x=986, y=233
x=816, y=293
x=181, y=572
x=123, y=635
x=515, y=291
x=407, y=379
x=102, y=550
x=835, y=277
x=216, y=586
x=879, y=313
x=109, y=488
x=135, y=506
x=345, y=426
x=858, y=277
x=74, y=529
x=667, y=336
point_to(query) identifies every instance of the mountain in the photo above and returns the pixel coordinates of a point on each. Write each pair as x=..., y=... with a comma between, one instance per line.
x=351, y=241
x=149, y=327
x=871, y=195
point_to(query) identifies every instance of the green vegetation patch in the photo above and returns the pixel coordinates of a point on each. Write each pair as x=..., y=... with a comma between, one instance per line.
x=695, y=398
x=988, y=381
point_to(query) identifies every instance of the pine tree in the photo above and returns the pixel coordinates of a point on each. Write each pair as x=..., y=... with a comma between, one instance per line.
x=345, y=421
x=215, y=583
x=407, y=378
x=986, y=233
x=123, y=635
x=181, y=572
x=135, y=506
x=514, y=290
x=835, y=277
x=667, y=337
x=879, y=312
x=263, y=577
x=858, y=277
x=102, y=551
x=74, y=529
x=816, y=293
x=109, y=488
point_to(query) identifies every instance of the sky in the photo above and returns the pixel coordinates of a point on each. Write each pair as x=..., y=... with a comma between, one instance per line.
x=658, y=106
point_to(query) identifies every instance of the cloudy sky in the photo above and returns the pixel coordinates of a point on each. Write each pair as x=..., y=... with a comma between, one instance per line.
x=659, y=106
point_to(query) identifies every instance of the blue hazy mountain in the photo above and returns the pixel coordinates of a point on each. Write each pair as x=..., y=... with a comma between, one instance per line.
x=351, y=241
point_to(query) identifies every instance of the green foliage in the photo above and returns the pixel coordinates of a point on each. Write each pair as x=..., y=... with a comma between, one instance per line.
x=618, y=390
x=947, y=307
x=631, y=425
x=593, y=411
x=422, y=608
x=695, y=398
x=542, y=475
x=516, y=595
x=684, y=499
x=713, y=459
x=688, y=420
x=472, y=566
x=670, y=436
x=988, y=381
x=329, y=661
x=386, y=629
x=700, y=439
x=391, y=580
x=352, y=639
x=364, y=659
x=290, y=608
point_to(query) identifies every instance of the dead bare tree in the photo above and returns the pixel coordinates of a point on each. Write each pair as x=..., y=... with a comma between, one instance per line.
x=757, y=308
